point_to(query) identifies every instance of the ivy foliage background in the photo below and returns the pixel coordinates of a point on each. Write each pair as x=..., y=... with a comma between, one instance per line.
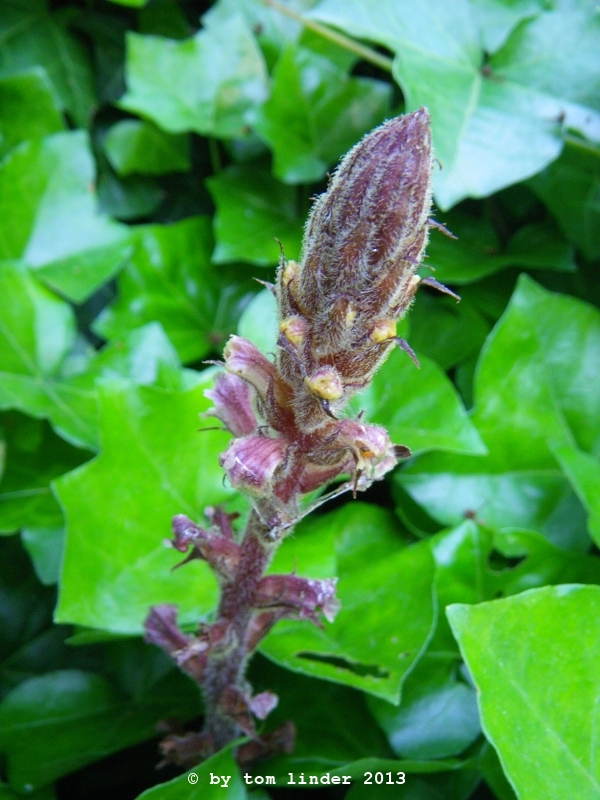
x=150, y=153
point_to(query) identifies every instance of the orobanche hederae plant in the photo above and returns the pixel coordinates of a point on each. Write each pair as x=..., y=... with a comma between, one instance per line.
x=338, y=308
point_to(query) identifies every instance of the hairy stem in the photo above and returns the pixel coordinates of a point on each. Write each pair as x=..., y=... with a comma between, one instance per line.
x=235, y=609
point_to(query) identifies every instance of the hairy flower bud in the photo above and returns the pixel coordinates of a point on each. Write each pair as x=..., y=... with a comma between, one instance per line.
x=251, y=461
x=362, y=246
x=233, y=404
x=292, y=596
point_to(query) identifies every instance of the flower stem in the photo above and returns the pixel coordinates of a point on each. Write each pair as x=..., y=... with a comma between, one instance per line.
x=235, y=610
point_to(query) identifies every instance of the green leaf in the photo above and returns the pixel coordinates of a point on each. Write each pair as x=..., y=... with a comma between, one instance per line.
x=47, y=205
x=419, y=408
x=56, y=723
x=43, y=371
x=35, y=456
x=45, y=548
x=365, y=647
x=258, y=323
x=33, y=38
x=529, y=391
x=315, y=113
x=445, y=331
x=325, y=738
x=253, y=210
x=130, y=3
x=182, y=788
x=205, y=84
x=497, y=18
x=25, y=618
x=507, y=645
x=170, y=279
x=128, y=198
x=115, y=565
x=570, y=188
x=477, y=252
x=503, y=122
x=474, y=563
x=29, y=109
x=583, y=472
x=437, y=716
x=273, y=29
x=133, y=146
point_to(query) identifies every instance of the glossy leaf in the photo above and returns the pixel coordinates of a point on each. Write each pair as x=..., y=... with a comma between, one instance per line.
x=45, y=548
x=253, y=210
x=437, y=716
x=46, y=372
x=141, y=147
x=115, y=565
x=365, y=647
x=508, y=644
x=529, y=391
x=169, y=279
x=477, y=252
x=182, y=788
x=54, y=228
x=56, y=723
x=35, y=456
x=206, y=84
x=309, y=93
x=25, y=617
x=502, y=124
x=29, y=109
x=570, y=188
x=583, y=472
x=31, y=38
x=419, y=408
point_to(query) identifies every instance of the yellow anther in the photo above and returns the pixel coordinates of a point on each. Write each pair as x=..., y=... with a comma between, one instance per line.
x=293, y=328
x=289, y=272
x=350, y=316
x=325, y=383
x=384, y=330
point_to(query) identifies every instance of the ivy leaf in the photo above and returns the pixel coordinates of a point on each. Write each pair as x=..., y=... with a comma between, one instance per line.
x=503, y=123
x=43, y=374
x=273, y=29
x=583, y=472
x=25, y=616
x=437, y=716
x=419, y=408
x=115, y=565
x=529, y=392
x=56, y=723
x=31, y=37
x=365, y=647
x=132, y=146
x=35, y=456
x=29, y=109
x=170, y=279
x=570, y=188
x=48, y=209
x=497, y=18
x=252, y=210
x=478, y=253
x=507, y=645
x=45, y=548
x=205, y=84
x=222, y=763
x=316, y=113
